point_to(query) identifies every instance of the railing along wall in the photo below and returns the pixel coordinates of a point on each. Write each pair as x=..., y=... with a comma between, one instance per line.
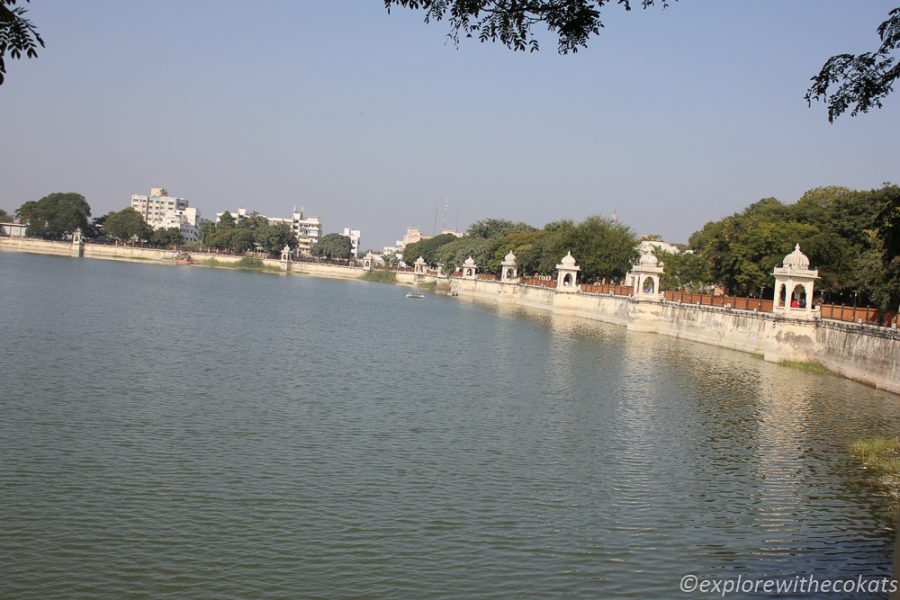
x=534, y=281
x=865, y=315
x=598, y=288
x=869, y=316
x=736, y=302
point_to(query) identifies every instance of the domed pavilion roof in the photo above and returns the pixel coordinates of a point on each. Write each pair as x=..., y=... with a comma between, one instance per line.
x=648, y=259
x=796, y=259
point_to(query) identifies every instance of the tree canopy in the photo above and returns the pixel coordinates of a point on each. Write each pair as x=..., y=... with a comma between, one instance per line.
x=333, y=245
x=168, y=237
x=604, y=250
x=17, y=35
x=850, y=236
x=127, y=225
x=56, y=215
x=493, y=228
x=862, y=80
x=253, y=232
x=426, y=248
x=512, y=22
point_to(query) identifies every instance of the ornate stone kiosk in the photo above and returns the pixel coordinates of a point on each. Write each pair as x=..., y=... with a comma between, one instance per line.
x=645, y=277
x=470, y=269
x=567, y=275
x=794, y=285
x=77, y=243
x=368, y=260
x=420, y=269
x=509, y=273
x=286, y=258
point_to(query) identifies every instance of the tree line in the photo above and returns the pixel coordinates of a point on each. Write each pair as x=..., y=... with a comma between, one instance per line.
x=852, y=237
x=56, y=216
x=252, y=232
x=604, y=249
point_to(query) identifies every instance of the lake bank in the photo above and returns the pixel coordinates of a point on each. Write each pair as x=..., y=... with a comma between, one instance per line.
x=863, y=353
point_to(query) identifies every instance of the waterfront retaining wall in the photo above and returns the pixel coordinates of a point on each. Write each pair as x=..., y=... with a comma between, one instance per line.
x=37, y=246
x=138, y=253
x=326, y=270
x=122, y=252
x=861, y=352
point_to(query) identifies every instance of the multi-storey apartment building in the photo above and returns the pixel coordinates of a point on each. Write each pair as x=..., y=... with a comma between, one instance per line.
x=162, y=211
x=355, y=236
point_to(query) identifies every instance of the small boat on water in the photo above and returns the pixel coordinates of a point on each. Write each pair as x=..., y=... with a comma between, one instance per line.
x=183, y=259
x=416, y=295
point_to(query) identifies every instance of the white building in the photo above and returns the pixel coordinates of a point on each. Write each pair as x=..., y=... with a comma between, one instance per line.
x=653, y=245
x=237, y=215
x=355, y=235
x=308, y=230
x=162, y=211
x=14, y=229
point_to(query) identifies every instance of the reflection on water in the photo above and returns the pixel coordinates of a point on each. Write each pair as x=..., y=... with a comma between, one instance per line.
x=204, y=433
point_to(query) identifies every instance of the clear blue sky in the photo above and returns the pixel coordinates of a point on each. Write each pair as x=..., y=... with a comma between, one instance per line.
x=672, y=117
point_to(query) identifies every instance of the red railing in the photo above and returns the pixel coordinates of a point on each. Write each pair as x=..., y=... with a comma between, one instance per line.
x=737, y=302
x=869, y=316
x=547, y=283
x=487, y=277
x=599, y=288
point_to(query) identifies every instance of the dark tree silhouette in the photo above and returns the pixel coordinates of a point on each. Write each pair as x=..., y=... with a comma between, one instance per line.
x=17, y=35
x=511, y=21
x=862, y=80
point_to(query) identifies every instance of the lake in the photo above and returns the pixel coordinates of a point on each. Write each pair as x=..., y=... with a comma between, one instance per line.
x=200, y=433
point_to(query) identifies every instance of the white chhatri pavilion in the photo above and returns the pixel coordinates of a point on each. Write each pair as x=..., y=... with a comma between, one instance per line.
x=794, y=285
x=566, y=279
x=470, y=269
x=645, y=276
x=508, y=270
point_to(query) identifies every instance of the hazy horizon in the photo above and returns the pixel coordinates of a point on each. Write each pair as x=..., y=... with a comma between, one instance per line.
x=672, y=117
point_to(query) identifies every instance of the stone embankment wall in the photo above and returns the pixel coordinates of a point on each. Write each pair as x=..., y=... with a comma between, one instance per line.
x=325, y=270
x=137, y=253
x=113, y=252
x=861, y=352
x=37, y=246
x=107, y=251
